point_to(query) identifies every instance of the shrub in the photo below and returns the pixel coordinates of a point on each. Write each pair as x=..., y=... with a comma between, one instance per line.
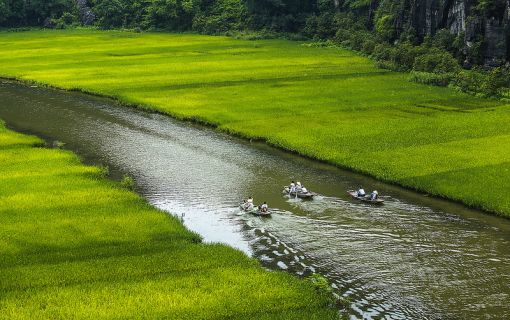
x=384, y=52
x=482, y=83
x=111, y=14
x=342, y=35
x=66, y=20
x=357, y=38
x=384, y=27
x=405, y=55
x=104, y=172
x=220, y=16
x=127, y=182
x=467, y=81
x=436, y=61
x=435, y=79
x=368, y=46
x=444, y=39
x=384, y=64
x=347, y=21
x=321, y=27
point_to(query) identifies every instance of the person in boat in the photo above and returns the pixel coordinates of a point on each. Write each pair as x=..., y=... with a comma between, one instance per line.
x=249, y=204
x=299, y=187
x=264, y=207
x=361, y=192
x=374, y=195
x=292, y=187
x=303, y=189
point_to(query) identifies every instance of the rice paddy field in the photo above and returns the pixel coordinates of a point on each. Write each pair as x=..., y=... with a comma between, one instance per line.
x=325, y=103
x=74, y=245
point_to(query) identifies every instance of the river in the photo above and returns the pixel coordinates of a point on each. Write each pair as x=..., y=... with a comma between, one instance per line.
x=416, y=257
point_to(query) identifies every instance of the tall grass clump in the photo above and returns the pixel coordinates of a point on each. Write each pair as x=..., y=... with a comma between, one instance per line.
x=76, y=246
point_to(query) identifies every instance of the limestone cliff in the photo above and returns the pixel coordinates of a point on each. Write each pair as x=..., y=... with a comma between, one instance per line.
x=484, y=22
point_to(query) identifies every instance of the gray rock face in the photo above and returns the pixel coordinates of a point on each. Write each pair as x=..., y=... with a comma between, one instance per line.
x=496, y=42
x=87, y=17
x=492, y=27
x=456, y=17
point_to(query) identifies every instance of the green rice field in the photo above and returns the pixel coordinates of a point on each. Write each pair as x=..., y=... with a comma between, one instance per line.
x=74, y=245
x=325, y=103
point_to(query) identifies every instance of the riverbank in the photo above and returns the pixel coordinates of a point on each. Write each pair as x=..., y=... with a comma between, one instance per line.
x=324, y=103
x=75, y=245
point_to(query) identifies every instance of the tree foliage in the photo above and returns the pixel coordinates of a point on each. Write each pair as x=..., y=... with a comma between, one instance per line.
x=18, y=13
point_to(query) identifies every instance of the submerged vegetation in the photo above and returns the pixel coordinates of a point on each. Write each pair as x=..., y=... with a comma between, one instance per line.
x=75, y=245
x=323, y=102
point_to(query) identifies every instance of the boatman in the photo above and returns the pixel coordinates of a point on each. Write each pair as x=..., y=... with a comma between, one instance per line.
x=264, y=207
x=361, y=192
x=292, y=188
x=374, y=195
x=249, y=203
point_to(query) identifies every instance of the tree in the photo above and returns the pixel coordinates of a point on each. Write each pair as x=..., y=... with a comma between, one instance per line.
x=170, y=14
x=4, y=11
x=109, y=13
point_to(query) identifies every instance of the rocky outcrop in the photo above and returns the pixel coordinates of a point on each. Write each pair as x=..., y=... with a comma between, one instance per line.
x=87, y=17
x=496, y=43
x=454, y=16
x=488, y=26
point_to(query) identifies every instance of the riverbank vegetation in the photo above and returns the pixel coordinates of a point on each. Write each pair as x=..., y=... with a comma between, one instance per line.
x=323, y=102
x=77, y=246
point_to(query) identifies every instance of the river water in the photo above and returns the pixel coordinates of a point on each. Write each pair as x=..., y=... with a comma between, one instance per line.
x=413, y=258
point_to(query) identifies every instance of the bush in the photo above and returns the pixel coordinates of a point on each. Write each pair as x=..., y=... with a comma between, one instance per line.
x=481, y=83
x=497, y=80
x=127, y=182
x=468, y=81
x=405, y=55
x=388, y=65
x=320, y=27
x=384, y=52
x=111, y=14
x=436, y=61
x=66, y=20
x=368, y=46
x=444, y=39
x=435, y=79
x=384, y=27
x=220, y=16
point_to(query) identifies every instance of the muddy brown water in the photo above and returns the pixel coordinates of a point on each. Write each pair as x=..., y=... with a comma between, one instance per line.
x=413, y=258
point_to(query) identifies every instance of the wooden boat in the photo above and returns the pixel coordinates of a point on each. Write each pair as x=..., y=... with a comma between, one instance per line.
x=365, y=199
x=259, y=213
x=255, y=211
x=301, y=195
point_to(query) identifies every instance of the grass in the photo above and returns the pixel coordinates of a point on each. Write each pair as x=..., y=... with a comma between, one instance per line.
x=325, y=103
x=76, y=246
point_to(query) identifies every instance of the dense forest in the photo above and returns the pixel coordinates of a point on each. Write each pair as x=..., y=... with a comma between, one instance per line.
x=435, y=39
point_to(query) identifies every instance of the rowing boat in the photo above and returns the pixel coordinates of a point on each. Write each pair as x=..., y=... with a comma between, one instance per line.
x=255, y=211
x=366, y=199
x=301, y=195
